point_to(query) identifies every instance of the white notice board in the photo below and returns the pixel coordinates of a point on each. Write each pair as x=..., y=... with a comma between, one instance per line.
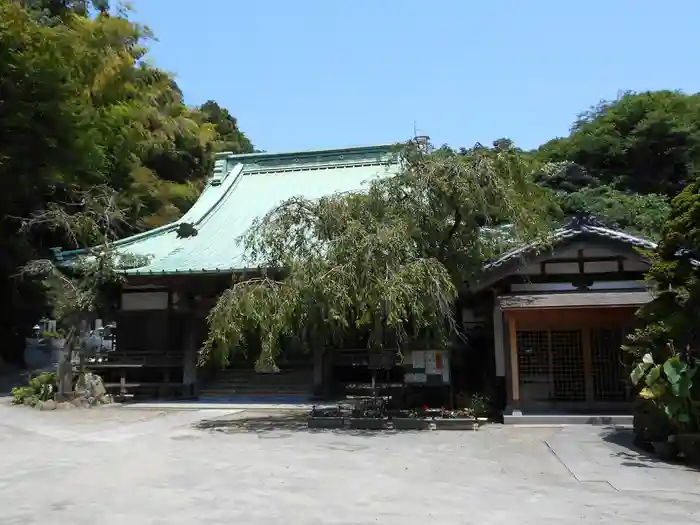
x=418, y=360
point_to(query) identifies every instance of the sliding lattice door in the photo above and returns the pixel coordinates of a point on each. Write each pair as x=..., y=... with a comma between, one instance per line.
x=571, y=366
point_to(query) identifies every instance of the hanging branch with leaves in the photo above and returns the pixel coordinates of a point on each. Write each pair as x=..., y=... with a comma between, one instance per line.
x=388, y=261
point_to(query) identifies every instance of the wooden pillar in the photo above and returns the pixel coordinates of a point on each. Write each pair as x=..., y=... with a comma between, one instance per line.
x=499, y=351
x=514, y=370
x=587, y=363
x=319, y=370
x=189, y=370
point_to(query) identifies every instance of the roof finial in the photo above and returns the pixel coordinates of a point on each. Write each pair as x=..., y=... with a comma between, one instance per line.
x=582, y=219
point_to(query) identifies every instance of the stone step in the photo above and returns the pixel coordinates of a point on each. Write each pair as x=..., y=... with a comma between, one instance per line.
x=264, y=377
x=568, y=419
x=247, y=382
x=262, y=383
x=247, y=386
x=260, y=392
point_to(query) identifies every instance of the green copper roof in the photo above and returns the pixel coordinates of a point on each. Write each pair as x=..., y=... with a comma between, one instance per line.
x=246, y=187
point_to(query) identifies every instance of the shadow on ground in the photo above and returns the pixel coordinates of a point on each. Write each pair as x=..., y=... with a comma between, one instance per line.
x=276, y=424
x=632, y=455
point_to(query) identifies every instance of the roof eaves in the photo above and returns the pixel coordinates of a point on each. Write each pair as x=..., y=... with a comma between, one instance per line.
x=61, y=255
x=191, y=271
x=569, y=233
x=244, y=157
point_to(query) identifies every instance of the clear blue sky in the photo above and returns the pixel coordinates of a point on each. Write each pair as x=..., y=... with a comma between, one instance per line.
x=328, y=73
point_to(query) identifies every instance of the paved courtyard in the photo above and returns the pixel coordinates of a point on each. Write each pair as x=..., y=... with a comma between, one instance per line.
x=128, y=466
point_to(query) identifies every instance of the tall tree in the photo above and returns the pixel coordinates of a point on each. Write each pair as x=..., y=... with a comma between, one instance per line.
x=675, y=275
x=55, y=12
x=81, y=107
x=645, y=142
x=387, y=262
x=229, y=137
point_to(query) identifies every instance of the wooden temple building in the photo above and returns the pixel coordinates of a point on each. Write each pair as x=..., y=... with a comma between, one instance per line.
x=546, y=322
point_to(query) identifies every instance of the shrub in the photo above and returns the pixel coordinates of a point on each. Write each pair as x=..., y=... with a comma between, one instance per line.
x=39, y=388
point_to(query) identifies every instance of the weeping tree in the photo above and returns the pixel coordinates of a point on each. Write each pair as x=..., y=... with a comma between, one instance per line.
x=388, y=261
x=80, y=293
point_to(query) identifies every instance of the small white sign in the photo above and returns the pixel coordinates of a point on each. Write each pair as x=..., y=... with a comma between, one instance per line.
x=415, y=378
x=445, y=368
x=418, y=360
x=431, y=363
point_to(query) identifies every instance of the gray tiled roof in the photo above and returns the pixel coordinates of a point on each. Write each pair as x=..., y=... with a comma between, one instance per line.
x=576, y=228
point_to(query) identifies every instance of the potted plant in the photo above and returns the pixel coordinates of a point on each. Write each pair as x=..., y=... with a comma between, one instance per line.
x=659, y=434
x=326, y=417
x=458, y=419
x=409, y=420
x=689, y=446
x=652, y=428
x=480, y=404
x=669, y=386
x=682, y=405
x=368, y=416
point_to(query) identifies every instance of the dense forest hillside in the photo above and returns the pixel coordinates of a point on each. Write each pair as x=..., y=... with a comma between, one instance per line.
x=81, y=106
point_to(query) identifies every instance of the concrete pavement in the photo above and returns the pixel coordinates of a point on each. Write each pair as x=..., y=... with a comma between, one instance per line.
x=117, y=466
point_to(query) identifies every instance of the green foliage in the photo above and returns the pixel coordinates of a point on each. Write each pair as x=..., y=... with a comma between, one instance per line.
x=58, y=334
x=54, y=12
x=672, y=315
x=82, y=107
x=669, y=322
x=641, y=215
x=645, y=142
x=80, y=293
x=229, y=137
x=387, y=262
x=669, y=385
x=39, y=388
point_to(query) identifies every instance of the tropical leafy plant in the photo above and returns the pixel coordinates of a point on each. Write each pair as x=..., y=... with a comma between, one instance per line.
x=670, y=385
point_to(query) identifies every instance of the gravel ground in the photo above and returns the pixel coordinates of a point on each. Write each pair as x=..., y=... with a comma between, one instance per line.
x=117, y=466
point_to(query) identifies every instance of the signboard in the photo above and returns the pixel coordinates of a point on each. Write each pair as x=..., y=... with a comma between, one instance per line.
x=138, y=301
x=428, y=367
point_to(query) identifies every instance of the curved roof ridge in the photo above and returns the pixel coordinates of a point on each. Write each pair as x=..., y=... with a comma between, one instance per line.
x=568, y=232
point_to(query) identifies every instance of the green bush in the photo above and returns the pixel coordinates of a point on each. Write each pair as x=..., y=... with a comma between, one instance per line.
x=478, y=403
x=669, y=385
x=39, y=388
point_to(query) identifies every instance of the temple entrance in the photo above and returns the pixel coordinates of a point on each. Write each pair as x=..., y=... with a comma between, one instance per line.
x=551, y=365
x=577, y=364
